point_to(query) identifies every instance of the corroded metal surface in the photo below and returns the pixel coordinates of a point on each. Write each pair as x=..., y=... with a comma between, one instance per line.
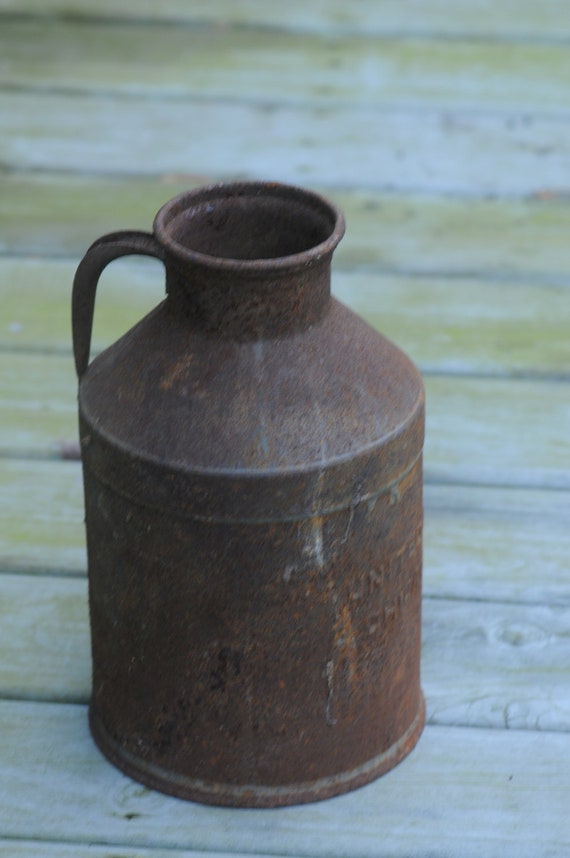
x=252, y=468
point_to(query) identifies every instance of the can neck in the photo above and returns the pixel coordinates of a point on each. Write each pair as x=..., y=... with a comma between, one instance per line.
x=249, y=259
x=244, y=305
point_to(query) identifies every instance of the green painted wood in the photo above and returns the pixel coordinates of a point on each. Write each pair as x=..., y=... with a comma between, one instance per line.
x=54, y=215
x=483, y=665
x=509, y=19
x=47, y=215
x=45, y=849
x=36, y=301
x=495, y=665
x=490, y=430
x=447, y=324
x=497, y=544
x=44, y=638
x=363, y=147
x=281, y=67
x=41, y=516
x=459, y=325
x=450, y=153
x=37, y=403
x=502, y=794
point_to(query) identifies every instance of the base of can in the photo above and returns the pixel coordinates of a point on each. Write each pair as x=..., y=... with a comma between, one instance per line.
x=233, y=795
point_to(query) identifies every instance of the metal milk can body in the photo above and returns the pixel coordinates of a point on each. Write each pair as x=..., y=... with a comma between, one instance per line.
x=253, y=490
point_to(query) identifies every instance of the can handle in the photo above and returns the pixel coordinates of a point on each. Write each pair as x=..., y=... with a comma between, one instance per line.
x=101, y=252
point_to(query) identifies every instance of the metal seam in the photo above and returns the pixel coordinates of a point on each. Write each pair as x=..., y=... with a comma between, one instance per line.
x=320, y=788
x=211, y=519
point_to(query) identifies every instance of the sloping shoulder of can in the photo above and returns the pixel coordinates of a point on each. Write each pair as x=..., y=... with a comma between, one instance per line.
x=315, y=488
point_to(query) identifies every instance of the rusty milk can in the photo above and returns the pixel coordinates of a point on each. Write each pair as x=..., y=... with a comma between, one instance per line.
x=253, y=490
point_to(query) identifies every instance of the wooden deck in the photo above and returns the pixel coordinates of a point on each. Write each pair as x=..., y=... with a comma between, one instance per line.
x=443, y=130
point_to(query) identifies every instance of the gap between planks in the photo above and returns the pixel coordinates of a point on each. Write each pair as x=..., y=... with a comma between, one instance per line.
x=25, y=848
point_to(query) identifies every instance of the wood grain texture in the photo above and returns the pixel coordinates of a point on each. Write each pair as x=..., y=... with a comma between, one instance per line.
x=282, y=67
x=510, y=19
x=485, y=544
x=44, y=638
x=494, y=239
x=41, y=516
x=442, y=130
x=30, y=420
x=36, y=299
x=454, y=795
x=467, y=325
x=44, y=849
x=520, y=239
x=496, y=665
x=401, y=149
x=497, y=431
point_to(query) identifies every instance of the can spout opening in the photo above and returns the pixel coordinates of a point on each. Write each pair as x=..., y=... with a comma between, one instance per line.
x=250, y=224
x=249, y=228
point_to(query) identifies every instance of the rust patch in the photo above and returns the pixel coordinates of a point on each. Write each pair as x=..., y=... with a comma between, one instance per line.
x=176, y=373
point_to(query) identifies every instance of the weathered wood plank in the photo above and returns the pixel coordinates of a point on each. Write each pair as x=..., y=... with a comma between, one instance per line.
x=499, y=793
x=483, y=665
x=496, y=665
x=497, y=544
x=522, y=19
x=41, y=516
x=44, y=638
x=497, y=431
x=447, y=324
x=54, y=215
x=401, y=149
x=36, y=301
x=455, y=325
x=45, y=849
x=37, y=403
x=492, y=430
x=280, y=67
x=480, y=543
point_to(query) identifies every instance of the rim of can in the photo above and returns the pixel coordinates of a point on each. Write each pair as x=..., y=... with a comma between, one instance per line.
x=231, y=190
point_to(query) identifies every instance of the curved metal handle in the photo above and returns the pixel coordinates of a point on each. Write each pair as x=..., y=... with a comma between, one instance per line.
x=101, y=252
